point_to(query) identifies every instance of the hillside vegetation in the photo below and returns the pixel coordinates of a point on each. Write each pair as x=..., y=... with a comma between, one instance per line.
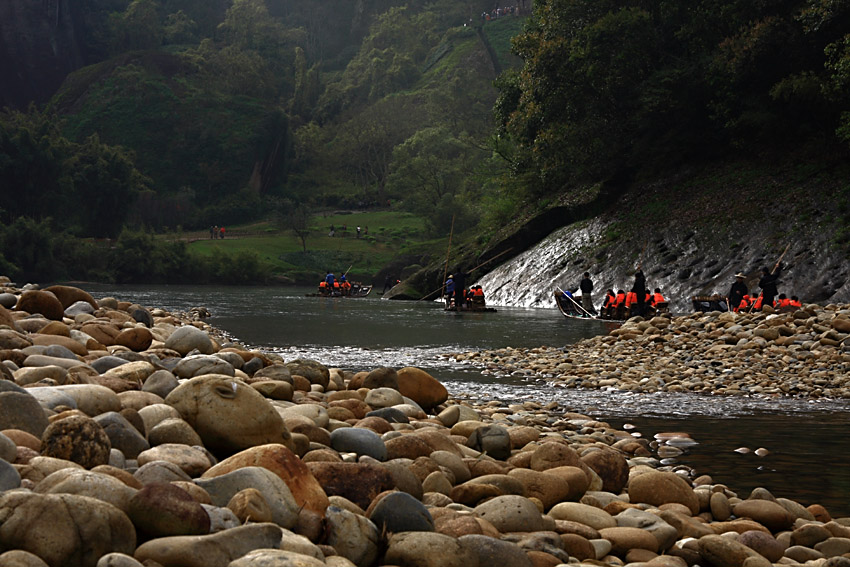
x=189, y=114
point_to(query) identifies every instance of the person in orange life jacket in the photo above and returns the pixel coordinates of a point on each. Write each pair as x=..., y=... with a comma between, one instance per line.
x=737, y=291
x=745, y=303
x=621, y=298
x=657, y=298
x=323, y=287
x=758, y=303
x=631, y=300
x=609, y=302
x=795, y=301
x=783, y=301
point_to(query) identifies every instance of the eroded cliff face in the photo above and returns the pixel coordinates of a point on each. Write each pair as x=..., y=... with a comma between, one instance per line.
x=681, y=263
x=40, y=43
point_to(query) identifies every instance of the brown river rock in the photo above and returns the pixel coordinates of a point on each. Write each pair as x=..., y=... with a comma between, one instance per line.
x=283, y=462
x=521, y=484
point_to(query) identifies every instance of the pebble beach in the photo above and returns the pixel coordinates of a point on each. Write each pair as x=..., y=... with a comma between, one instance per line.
x=133, y=436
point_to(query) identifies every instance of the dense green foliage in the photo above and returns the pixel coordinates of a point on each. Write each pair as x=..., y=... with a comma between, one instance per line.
x=84, y=185
x=38, y=251
x=202, y=112
x=622, y=85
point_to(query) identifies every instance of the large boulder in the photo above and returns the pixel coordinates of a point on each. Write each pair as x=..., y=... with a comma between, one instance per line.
x=229, y=415
x=65, y=530
x=358, y=482
x=78, y=439
x=314, y=371
x=87, y=483
x=20, y=410
x=163, y=509
x=213, y=550
x=188, y=338
x=284, y=463
x=661, y=487
x=223, y=488
x=421, y=387
x=42, y=302
x=69, y=295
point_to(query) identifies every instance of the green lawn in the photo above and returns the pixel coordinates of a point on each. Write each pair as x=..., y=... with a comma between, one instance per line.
x=389, y=234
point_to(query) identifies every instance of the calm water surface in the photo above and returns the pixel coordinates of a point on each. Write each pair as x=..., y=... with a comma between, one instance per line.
x=809, y=458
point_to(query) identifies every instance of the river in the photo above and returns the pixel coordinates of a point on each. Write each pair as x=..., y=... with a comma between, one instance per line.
x=809, y=449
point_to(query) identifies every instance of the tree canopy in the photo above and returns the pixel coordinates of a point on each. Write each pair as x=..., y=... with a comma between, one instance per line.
x=617, y=85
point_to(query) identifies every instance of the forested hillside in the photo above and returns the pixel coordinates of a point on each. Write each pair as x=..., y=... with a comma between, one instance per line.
x=163, y=114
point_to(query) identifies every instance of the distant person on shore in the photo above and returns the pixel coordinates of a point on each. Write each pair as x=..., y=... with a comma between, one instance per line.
x=221, y=233
x=212, y=232
x=358, y=231
x=332, y=232
x=586, y=287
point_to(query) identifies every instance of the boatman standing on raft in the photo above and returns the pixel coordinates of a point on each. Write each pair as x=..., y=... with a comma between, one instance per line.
x=460, y=285
x=639, y=289
x=767, y=283
x=737, y=292
x=586, y=287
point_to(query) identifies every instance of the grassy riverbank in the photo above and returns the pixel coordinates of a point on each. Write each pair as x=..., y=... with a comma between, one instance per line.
x=384, y=236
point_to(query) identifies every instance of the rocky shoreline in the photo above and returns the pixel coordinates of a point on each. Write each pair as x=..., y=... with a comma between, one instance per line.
x=134, y=436
x=804, y=353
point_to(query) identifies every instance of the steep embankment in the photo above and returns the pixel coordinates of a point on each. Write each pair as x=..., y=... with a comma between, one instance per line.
x=39, y=46
x=691, y=231
x=694, y=231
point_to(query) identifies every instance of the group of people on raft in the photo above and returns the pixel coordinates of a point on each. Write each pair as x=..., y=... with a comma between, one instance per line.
x=458, y=297
x=740, y=300
x=621, y=305
x=332, y=285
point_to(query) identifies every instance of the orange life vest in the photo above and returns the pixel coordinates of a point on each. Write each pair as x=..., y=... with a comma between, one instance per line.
x=657, y=298
x=621, y=298
x=785, y=302
x=323, y=284
x=631, y=299
x=610, y=301
x=793, y=303
x=758, y=302
x=478, y=292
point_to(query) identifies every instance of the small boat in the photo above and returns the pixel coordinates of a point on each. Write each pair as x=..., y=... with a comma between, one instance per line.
x=471, y=307
x=473, y=304
x=708, y=303
x=573, y=310
x=356, y=290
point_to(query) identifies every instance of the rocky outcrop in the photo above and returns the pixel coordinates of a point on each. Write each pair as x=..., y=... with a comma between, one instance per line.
x=40, y=43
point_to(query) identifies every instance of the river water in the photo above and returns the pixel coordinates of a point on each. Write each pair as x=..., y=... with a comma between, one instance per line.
x=809, y=449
